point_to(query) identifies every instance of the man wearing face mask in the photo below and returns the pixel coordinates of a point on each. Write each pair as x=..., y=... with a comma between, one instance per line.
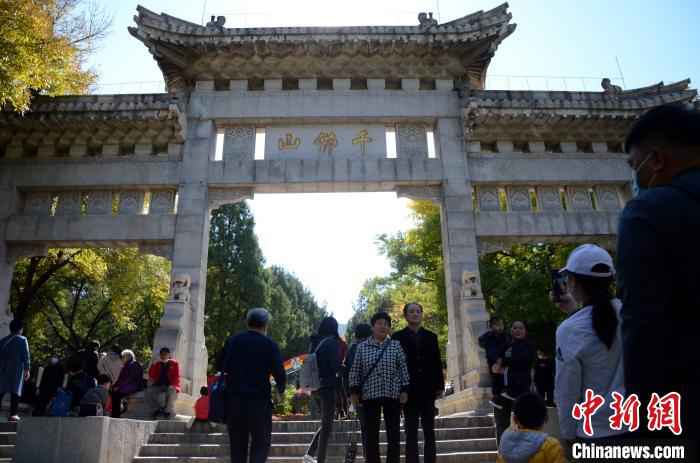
x=658, y=261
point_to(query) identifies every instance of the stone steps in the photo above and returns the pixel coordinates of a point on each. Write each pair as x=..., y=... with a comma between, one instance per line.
x=305, y=437
x=459, y=440
x=8, y=438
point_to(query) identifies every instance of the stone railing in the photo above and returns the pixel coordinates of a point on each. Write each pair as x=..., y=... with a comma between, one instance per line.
x=99, y=202
x=114, y=151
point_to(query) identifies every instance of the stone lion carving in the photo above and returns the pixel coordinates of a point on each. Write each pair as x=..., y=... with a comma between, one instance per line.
x=218, y=22
x=426, y=20
x=471, y=287
x=609, y=88
x=180, y=288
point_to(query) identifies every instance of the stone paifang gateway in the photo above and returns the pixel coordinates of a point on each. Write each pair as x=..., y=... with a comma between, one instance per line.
x=399, y=108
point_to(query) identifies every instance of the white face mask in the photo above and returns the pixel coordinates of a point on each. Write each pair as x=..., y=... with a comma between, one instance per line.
x=636, y=188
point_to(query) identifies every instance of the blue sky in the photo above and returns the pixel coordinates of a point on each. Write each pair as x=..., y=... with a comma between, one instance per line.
x=330, y=244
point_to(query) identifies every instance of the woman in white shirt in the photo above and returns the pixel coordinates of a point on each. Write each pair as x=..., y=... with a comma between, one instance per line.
x=589, y=345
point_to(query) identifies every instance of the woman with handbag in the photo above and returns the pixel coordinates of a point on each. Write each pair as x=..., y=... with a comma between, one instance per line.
x=379, y=382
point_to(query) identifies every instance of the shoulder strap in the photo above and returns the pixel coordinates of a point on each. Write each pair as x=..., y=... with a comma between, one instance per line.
x=376, y=362
x=321, y=343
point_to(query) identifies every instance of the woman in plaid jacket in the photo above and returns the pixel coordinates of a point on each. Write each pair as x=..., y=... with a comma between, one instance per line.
x=379, y=380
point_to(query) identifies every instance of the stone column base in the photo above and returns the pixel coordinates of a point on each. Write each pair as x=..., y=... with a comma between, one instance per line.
x=138, y=409
x=474, y=399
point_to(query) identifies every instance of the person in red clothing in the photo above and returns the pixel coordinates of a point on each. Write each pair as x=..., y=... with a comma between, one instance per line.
x=163, y=385
x=201, y=412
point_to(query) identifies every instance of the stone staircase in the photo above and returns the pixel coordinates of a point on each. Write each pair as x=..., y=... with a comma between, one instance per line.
x=459, y=440
x=8, y=437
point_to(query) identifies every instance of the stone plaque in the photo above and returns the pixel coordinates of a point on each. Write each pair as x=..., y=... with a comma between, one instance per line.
x=239, y=143
x=325, y=142
x=488, y=199
x=68, y=203
x=548, y=198
x=99, y=203
x=162, y=202
x=412, y=141
x=519, y=199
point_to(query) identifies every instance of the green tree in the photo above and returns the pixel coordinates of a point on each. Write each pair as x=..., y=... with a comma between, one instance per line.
x=44, y=45
x=112, y=295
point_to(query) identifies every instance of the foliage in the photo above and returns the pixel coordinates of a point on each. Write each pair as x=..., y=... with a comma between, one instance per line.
x=43, y=46
x=282, y=406
x=238, y=281
x=114, y=296
x=417, y=275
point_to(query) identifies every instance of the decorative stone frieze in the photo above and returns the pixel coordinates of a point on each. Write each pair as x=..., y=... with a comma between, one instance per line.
x=69, y=203
x=549, y=198
x=99, y=202
x=608, y=197
x=412, y=141
x=519, y=199
x=37, y=203
x=239, y=142
x=579, y=198
x=131, y=202
x=488, y=198
x=162, y=202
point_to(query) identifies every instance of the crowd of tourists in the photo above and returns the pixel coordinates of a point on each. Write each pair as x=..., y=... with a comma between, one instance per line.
x=88, y=383
x=637, y=343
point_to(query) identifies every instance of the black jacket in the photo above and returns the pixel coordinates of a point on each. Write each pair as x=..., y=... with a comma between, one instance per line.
x=519, y=358
x=328, y=359
x=493, y=344
x=248, y=361
x=658, y=277
x=424, y=362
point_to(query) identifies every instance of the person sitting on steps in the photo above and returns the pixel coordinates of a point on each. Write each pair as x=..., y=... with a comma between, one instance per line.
x=163, y=385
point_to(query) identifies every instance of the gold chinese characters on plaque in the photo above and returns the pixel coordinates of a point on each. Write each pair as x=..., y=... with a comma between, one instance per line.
x=288, y=142
x=362, y=139
x=326, y=141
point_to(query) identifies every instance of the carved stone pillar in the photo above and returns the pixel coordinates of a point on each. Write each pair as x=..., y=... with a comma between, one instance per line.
x=182, y=325
x=467, y=315
x=9, y=202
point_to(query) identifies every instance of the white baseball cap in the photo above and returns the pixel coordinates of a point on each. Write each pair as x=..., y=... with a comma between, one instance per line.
x=582, y=260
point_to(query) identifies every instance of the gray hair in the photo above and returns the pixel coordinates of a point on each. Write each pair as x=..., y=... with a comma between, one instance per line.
x=257, y=317
x=130, y=353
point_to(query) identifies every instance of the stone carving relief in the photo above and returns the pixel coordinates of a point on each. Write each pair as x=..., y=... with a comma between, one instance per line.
x=68, y=203
x=488, y=199
x=519, y=199
x=289, y=142
x=37, y=203
x=180, y=288
x=162, y=202
x=548, y=198
x=580, y=198
x=471, y=287
x=608, y=198
x=326, y=141
x=362, y=139
x=130, y=202
x=412, y=142
x=239, y=143
x=218, y=22
x=99, y=203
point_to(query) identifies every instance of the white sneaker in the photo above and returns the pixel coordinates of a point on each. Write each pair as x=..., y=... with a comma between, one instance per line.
x=308, y=459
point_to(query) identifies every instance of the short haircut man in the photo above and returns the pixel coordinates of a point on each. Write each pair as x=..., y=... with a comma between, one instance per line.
x=164, y=350
x=668, y=126
x=380, y=316
x=408, y=306
x=16, y=326
x=258, y=318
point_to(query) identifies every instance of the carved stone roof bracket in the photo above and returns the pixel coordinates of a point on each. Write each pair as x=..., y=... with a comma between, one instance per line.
x=490, y=115
x=460, y=49
x=431, y=193
x=144, y=118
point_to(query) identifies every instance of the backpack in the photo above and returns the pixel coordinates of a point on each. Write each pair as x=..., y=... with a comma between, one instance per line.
x=217, y=401
x=310, y=376
x=60, y=405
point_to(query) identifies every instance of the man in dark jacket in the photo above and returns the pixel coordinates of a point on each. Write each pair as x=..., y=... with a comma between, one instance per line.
x=427, y=382
x=248, y=360
x=658, y=255
x=494, y=342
